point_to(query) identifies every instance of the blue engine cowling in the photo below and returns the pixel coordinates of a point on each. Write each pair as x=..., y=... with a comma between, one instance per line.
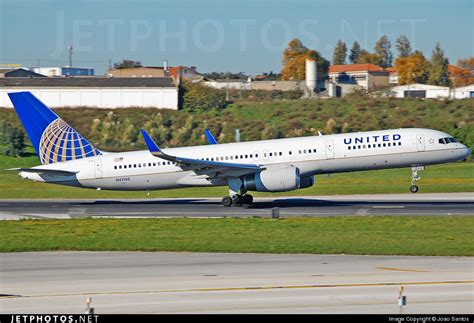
x=276, y=179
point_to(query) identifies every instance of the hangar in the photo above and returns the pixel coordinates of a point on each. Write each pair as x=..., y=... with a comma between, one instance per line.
x=98, y=92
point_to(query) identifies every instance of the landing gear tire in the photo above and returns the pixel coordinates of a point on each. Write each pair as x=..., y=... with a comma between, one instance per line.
x=226, y=201
x=247, y=199
x=415, y=178
x=236, y=200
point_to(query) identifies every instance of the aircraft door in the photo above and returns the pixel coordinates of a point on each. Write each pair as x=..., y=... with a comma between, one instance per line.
x=330, y=149
x=98, y=167
x=420, y=142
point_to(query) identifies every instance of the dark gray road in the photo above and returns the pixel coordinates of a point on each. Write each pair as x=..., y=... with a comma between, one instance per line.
x=396, y=204
x=148, y=282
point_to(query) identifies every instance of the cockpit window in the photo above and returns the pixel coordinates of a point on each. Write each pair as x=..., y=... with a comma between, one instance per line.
x=447, y=140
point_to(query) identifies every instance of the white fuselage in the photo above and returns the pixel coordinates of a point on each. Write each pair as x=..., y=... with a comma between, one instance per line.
x=348, y=152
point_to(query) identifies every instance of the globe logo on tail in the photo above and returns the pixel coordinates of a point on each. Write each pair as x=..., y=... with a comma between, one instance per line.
x=60, y=142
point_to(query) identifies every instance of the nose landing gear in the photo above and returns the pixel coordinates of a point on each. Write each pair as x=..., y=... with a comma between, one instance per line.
x=415, y=177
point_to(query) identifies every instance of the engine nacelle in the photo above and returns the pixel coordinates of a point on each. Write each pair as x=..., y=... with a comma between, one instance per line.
x=306, y=182
x=273, y=179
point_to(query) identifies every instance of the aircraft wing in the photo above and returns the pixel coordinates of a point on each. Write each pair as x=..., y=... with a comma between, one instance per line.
x=56, y=172
x=211, y=168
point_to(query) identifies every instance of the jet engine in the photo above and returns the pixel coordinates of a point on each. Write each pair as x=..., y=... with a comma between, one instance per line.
x=276, y=179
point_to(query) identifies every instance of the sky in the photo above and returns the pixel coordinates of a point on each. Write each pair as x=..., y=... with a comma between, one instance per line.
x=221, y=35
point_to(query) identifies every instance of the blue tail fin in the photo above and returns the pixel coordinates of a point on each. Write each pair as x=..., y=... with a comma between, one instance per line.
x=54, y=140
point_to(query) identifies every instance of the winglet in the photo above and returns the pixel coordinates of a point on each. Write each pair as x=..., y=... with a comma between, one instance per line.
x=152, y=146
x=210, y=138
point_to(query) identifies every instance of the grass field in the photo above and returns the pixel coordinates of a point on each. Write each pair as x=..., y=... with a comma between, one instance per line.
x=436, y=236
x=456, y=177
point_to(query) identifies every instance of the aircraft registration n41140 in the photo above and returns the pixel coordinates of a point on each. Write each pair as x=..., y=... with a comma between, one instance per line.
x=276, y=165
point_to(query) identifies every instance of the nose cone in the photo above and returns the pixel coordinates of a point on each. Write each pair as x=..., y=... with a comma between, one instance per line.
x=466, y=152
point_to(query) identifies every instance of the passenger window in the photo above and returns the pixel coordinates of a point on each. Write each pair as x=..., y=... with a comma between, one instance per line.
x=399, y=143
x=369, y=146
x=385, y=145
x=134, y=165
x=380, y=145
x=388, y=144
x=115, y=167
x=246, y=156
x=349, y=147
x=358, y=147
x=124, y=166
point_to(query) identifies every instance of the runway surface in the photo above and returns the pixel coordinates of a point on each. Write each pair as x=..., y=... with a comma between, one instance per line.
x=137, y=282
x=386, y=204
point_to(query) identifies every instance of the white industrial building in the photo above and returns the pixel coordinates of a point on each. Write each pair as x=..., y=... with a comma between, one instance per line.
x=432, y=91
x=421, y=91
x=95, y=92
x=463, y=92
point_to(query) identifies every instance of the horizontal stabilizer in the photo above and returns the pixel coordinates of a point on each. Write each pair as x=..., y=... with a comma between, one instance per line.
x=56, y=172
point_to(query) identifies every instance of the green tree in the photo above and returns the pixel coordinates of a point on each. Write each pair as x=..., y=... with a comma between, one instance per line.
x=382, y=48
x=200, y=97
x=403, y=46
x=355, y=53
x=340, y=53
x=369, y=58
x=13, y=139
x=438, y=70
x=126, y=63
x=294, y=57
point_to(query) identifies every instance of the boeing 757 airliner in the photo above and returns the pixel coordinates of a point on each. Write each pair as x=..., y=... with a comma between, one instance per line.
x=277, y=165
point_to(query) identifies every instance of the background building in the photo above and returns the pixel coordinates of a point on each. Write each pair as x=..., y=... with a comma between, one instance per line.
x=367, y=76
x=393, y=76
x=100, y=92
x=421, y=91
x=63, y=71
x=18, y=72
x=463, y=92
x=148, y=71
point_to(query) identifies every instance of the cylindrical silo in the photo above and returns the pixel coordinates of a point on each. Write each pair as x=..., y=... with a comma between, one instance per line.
x=311, y=76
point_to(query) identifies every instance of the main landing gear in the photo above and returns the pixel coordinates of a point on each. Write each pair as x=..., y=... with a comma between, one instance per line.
x=415, y=177
x=234, y=198
x=237, y=200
